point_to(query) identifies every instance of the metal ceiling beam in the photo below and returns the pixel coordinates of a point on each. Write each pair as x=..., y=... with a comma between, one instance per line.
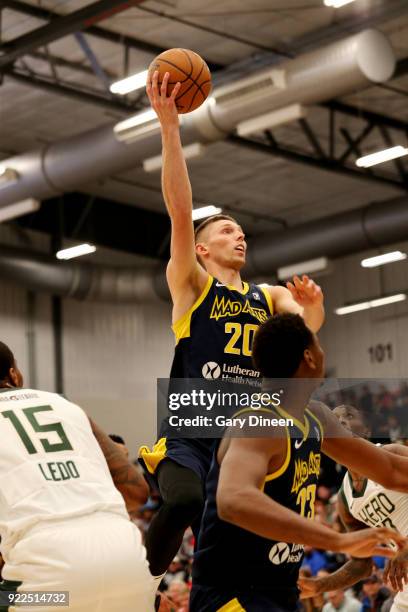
x=326, y=163
x=61, y=62
x=75, y=93
x=402, y=68
x=361, y=113
x=59, y=27
x=97, y=31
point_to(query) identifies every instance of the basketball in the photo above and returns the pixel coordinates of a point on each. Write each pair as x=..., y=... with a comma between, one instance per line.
x=190, y=70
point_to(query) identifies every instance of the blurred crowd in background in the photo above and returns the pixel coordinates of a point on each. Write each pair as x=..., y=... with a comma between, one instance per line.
x=387, y=407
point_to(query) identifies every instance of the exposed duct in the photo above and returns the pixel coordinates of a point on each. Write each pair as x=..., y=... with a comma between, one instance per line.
x=337, y=69
x=42, y=273
x=343, y=234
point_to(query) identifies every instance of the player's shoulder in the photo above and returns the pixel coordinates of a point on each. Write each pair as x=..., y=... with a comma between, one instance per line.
x=51, y=398
x=320, y=411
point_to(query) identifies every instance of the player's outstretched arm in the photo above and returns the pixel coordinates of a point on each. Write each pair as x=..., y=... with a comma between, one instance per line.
x=126, y=477
x=243, y=503
x=383, y=466
x=303, y=297
x=183, y=267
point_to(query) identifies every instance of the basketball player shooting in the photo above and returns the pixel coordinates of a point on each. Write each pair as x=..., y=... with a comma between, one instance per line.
x=364, y=503
x=203, y=274
x=64, y=526
x=261, y=490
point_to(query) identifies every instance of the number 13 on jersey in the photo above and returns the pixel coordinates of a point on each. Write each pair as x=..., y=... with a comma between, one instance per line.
x=306, y=498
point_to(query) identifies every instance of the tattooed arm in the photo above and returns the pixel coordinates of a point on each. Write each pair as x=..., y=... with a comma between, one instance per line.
x=351, y=572
x=125, y=475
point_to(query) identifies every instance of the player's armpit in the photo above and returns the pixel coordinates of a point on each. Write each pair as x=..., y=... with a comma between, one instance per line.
x=126, y=477
x=183, y=274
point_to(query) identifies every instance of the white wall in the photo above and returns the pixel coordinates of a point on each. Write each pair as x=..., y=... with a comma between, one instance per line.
x=347, y=339
x=113, y=355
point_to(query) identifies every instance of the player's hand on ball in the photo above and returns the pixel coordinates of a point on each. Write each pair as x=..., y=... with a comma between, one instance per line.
x=396, y=571
x=371, y=542
x=309, y=587
x=163, y=105
x=305, y=292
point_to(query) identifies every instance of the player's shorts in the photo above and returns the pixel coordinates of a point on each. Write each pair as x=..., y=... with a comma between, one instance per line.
x=195, y=454
x=211, y=599
x=98, y=558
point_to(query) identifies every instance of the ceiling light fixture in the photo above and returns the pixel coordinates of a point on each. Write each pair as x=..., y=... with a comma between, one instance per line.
x=205, y=211
x=141, y=124
x=19, y=209
x=76, y=251
x=320, y=264
x=337, y=3
x=381, y=156
x=272, y=119
x=380, y=260
x=384, y=301
x=130, y=83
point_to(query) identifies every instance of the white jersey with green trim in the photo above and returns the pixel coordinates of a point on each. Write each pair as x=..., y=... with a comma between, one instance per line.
x=51, y=466
x=376, y=506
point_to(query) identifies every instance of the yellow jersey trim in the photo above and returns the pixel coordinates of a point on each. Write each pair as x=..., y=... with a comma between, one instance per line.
x=304, y=427
x=243, y=291
x=312, y=414
x=153, y=457
x=181, y=328
x=249, y=409
x=268, y=298
x=285, y=464
x=232, y=606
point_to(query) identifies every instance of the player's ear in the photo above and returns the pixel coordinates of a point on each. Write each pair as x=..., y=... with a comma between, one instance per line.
x=201, y=249
x=15, y=377
x=310, y=359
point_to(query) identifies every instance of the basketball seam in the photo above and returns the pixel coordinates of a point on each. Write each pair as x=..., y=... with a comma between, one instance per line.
x=177, y=68
x=195, y=93
x=189, y=60
x=189, y=77
x=199, y=88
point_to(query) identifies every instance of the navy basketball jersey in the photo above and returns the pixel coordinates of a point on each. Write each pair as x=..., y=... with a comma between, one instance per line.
x=234, y=558
x=214, y=338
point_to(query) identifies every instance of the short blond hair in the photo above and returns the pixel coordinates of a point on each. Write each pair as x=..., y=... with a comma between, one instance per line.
x=209, y=221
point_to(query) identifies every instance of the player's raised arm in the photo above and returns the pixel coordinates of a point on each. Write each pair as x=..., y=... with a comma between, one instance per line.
x=303, y=297
x=243, y=503
x=387, y=468
x=126, y=477
x=183, y=269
